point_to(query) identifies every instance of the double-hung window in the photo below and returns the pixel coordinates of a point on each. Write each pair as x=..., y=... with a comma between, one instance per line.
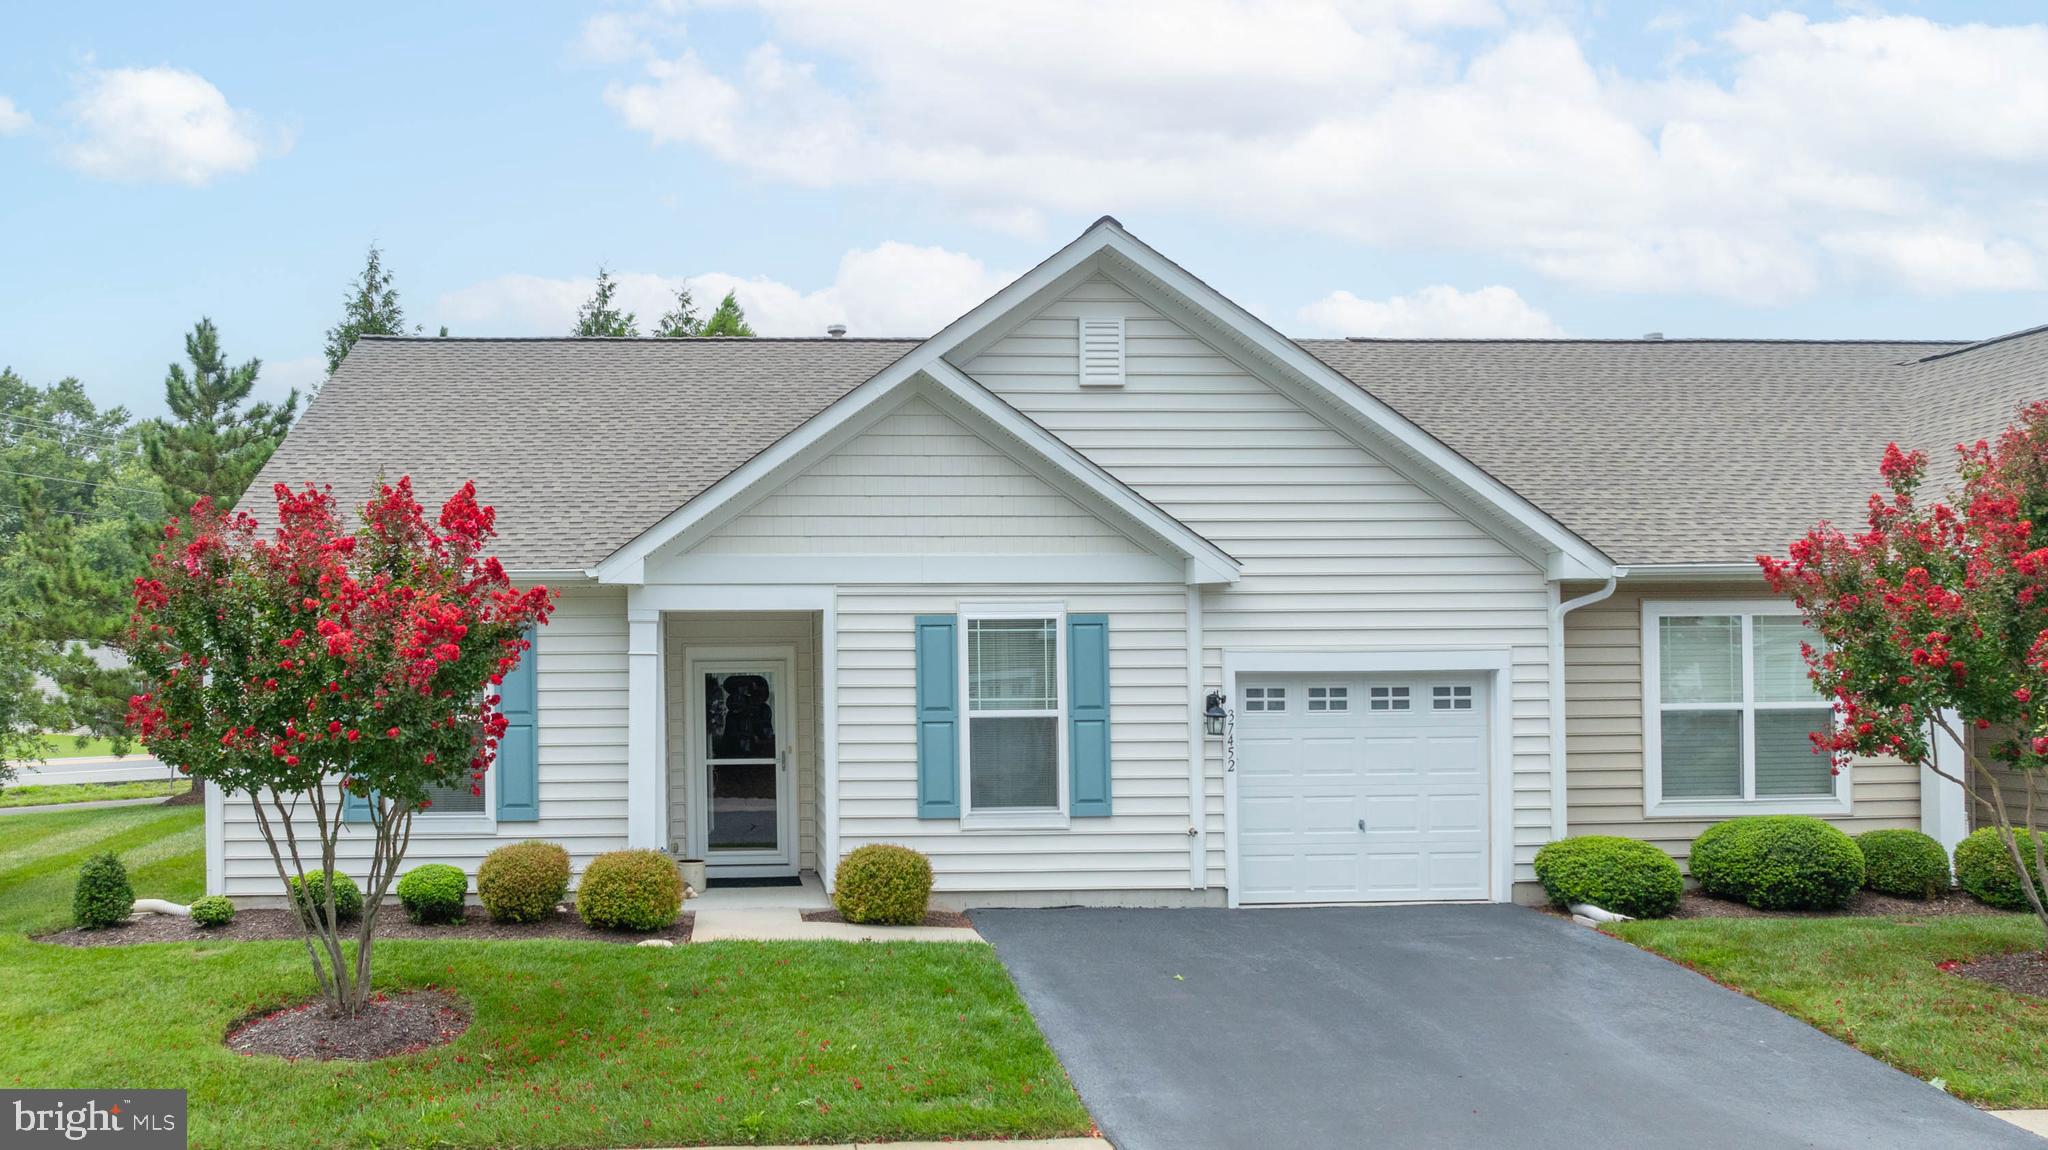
x=1014, y=666
x=1727, y=710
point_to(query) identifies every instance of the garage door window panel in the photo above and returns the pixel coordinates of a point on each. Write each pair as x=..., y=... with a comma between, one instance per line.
x=1729, y=710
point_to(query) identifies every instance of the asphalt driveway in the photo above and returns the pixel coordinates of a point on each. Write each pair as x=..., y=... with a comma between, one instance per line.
x=1437, y=1026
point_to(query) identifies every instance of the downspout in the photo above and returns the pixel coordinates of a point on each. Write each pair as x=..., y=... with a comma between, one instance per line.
x=1198, y=747
x=1557, y=690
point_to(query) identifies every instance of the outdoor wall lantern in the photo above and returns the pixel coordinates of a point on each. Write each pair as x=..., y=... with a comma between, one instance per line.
x=1213, y=715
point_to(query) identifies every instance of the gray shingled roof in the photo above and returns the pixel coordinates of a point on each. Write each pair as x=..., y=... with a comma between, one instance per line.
x=581, y=444
x=1655, y=451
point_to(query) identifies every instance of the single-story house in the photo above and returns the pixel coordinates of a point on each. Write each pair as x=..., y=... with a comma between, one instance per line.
x=980, y=593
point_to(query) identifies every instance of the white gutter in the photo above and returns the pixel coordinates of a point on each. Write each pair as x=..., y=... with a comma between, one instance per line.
x=1198, y=788
x=1557, y=691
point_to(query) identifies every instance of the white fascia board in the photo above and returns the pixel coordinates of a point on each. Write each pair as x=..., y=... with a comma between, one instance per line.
x=1693, y=573
x=1207, y=563
x=1410, y=438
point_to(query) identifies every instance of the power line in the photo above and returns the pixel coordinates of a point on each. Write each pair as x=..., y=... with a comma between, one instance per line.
x=107, y=452
x=82, y=482
x=47, y=425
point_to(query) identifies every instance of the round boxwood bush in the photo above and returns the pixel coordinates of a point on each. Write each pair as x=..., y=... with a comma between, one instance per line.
x=311, y=897
x=883, y=883
x=103, y=896
x=1903, y=862
x=630, y=890
x=213, y=910
x=1984, y=868
x=523, y=882
x=1778, y=862
x=1625, y=876
x=433, y=893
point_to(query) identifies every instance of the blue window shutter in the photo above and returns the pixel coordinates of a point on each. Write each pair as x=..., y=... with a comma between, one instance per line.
x=353, y=809
x=518, y=764
x=1088, y=716
x=938, y=718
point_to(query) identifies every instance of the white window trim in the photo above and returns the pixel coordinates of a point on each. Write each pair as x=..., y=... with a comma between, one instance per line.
x=1011, y=819
x=1655, y=805
x=482, y=822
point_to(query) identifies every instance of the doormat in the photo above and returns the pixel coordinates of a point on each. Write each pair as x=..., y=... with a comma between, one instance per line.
x=714, y=882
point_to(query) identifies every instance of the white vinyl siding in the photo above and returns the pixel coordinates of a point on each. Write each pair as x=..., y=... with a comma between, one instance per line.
x=1604, y=728
x=1339, y=550
x=582, y=735
x=1142, y=847
x=917, y=483
x=744, y=629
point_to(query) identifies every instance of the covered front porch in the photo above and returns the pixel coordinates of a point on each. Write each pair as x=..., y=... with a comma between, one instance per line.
x=734, y=711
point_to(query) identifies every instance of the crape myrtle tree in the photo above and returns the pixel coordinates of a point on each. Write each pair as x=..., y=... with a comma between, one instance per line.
x=1935, y=619
x=321, y=659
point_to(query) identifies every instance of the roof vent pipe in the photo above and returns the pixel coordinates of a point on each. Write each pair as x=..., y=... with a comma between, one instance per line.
x=1653, y=335
x=836, y=330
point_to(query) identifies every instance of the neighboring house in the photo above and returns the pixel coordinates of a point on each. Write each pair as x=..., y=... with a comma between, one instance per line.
x=974, y=593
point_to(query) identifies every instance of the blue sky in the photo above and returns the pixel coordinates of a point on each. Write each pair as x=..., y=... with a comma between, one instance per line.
x=1462, y=167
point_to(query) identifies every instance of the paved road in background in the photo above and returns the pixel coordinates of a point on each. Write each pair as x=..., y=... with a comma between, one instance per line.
x=1438, y=1026
x=93, y=770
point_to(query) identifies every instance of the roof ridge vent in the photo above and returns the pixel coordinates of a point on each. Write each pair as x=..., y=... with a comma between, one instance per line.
x=1653, y=335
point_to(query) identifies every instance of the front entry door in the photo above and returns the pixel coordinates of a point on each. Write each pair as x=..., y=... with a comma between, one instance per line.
x=745, y=790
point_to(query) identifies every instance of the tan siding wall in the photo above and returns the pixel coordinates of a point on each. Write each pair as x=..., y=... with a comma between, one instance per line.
x=1340, y=551
x=1604, y=728
x=2014, y=789
x=917, y=482
x=798, y=630
x=582, y=734
x=1143, y=846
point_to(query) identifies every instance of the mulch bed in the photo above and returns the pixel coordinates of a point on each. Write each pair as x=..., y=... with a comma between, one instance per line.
x=931, y=917
x=1864, y=904
x=390, y=1025
x=2025, y=971
x=266, y=925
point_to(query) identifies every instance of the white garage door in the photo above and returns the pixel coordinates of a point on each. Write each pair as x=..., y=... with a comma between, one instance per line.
x=1361, y=788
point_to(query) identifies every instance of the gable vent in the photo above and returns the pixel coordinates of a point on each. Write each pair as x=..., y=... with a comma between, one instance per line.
x=1102, y=351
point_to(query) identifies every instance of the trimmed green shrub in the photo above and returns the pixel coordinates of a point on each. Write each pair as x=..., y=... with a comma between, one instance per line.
x=523, y=882
x=1903, y=862
x=1625, y=876
x=103, y=896
x=312, y=899
x=630, y=890
x=433, y=893
x=213, y=910
x=1778, y=862
x=883, y=883
x=1984, y=868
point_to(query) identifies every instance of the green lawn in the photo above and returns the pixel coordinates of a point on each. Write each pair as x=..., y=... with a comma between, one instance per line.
x=573, y=1044
x=1872, y=983
x=51, y=794
x=73, y=747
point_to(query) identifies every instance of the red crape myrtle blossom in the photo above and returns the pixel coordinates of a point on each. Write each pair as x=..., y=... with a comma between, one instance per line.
x=1935, y=617
x=317, y=659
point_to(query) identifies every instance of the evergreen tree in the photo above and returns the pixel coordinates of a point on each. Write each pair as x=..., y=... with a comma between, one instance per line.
x=598, y=317
x=371, y=308
x=728, y=319
x=680, y=320
x=213, y=444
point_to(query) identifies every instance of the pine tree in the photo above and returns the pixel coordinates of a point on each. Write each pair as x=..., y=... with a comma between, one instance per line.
x=728, y=319
x=213, y=445
x=680, y=320
x=598, y=317
x=371, y=308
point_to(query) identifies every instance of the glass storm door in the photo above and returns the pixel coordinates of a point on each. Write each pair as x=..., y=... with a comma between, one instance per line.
x=744, y=752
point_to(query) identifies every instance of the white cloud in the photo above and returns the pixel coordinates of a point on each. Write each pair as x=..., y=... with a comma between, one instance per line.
x=280, y=376
x=1723, y=170
x=893, y=289
x=13, y=120
x=1438, y=310
x=162, y=125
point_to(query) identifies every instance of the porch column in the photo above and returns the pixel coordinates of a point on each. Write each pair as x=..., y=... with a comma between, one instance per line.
x=645, y=721
x=1944, y=813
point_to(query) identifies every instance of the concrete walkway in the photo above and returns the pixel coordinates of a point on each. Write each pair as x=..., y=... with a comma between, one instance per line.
x=94, y=806
x=2031, y=1121
x=768, y=913
x=1020, y=1144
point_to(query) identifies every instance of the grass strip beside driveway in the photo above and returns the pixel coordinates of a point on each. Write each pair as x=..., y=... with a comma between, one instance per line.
x=1873, y=983
x=56, y=794
x=572, y=1044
